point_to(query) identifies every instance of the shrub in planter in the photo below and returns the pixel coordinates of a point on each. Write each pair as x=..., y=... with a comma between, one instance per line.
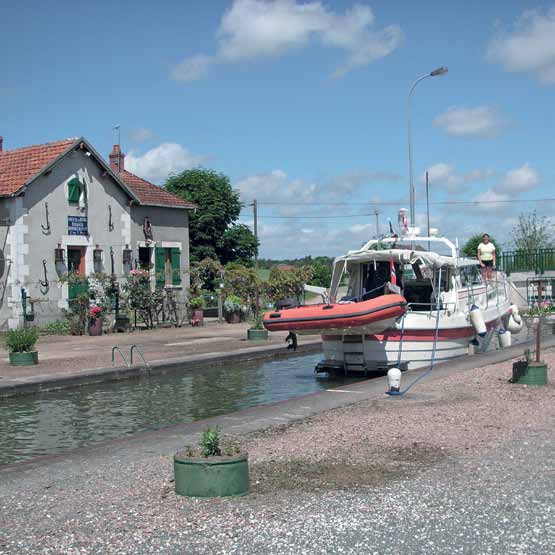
x=213, y=469
x=257, y=331
x=234, y=309
x=20, y=343
x=96, y=314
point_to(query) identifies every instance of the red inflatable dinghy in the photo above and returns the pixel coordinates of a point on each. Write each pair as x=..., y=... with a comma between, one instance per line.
x=371, y=316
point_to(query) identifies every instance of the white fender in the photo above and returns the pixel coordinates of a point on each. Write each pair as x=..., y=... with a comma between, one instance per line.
x=504, y=338
x=477, y=321
x=514, y=323
x=394, y=379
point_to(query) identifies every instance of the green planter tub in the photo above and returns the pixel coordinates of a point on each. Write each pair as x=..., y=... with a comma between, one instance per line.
x=211, y=476
x=257, y=335
x=24, y=359
x=530, y=373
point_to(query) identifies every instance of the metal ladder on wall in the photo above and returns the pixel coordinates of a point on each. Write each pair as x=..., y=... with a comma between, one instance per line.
x=129, y=361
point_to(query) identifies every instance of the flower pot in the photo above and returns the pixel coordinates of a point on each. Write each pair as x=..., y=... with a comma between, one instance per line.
x=257, y=335
x=530, y=373
x=211, y=476
x=197, y=318
x=233, y=318
x=24, y=359
x=95, y=326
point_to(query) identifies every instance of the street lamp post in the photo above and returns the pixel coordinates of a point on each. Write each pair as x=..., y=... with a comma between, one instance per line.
x=439, y=71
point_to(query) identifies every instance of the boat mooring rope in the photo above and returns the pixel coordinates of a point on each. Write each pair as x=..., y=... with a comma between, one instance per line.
x=434, y=348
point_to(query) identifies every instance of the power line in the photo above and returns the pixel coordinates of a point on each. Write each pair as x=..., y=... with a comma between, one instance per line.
x=397, y=203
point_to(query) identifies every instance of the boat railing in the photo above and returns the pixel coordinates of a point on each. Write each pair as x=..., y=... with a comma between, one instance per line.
x=432, y=307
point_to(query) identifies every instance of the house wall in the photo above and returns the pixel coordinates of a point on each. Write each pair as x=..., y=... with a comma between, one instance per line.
x=24, y=242
x=170, y=228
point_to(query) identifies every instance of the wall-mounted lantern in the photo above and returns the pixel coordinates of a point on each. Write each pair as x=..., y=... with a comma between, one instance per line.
x=59, y=254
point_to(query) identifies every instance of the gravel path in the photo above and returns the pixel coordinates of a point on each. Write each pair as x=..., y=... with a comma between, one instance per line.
x=464, y=464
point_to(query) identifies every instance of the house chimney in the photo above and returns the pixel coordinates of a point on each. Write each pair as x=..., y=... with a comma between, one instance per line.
x=1, y=142
x=117, y=159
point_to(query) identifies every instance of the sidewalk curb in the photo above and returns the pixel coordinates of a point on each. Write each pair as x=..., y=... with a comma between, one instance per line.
x=26, y=386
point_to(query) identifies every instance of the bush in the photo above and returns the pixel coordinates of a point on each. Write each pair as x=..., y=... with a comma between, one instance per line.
x=196, y=303
x=233, y=305
x=21, y=340
x=210, y=443
x=55, y=328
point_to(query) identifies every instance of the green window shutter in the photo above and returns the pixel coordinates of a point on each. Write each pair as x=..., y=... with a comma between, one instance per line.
x=73, y=190
x=160, y=266
x=176, y=267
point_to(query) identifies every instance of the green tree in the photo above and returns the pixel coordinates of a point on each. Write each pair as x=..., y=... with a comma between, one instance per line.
x=285, y=284
x=471, y=246
x=321, y=268
x=238, y=245
x=218, y=208
x=532, y=232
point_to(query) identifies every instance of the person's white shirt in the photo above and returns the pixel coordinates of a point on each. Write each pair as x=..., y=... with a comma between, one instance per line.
x=486, y=251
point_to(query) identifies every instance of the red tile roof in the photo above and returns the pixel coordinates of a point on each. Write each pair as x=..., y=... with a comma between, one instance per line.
x=19, y=165
x=151, y=194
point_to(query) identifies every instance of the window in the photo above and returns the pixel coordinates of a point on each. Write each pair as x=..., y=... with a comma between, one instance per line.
x=144, y=258
x=73, y=191
x=167, y=266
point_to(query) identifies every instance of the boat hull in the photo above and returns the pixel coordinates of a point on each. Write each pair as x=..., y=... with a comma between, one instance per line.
x=380, y=351
x=370, y=316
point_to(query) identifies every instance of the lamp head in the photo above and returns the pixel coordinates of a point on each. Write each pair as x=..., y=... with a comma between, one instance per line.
x=439, y=71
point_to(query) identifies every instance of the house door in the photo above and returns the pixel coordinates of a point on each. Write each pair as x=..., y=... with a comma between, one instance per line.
x=76, y=270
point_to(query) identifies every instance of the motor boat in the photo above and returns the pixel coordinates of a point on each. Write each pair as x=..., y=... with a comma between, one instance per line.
x=402, y=301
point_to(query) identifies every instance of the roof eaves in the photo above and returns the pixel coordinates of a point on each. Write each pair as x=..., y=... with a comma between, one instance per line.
x=157, y=205
x=44, y=169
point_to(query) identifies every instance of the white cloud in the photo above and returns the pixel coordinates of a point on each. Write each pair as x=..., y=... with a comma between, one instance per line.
x=519, y=180
x=141, y=134
x=193, y=68
x=158, y=163
x=253, y=29
x=445, y=175
x=460, y=121
x=529, y=47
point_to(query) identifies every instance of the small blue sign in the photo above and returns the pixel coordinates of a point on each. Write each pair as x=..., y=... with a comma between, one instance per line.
x=77, y=225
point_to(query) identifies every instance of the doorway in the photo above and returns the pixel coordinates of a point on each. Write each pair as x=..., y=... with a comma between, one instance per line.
x=76, y=267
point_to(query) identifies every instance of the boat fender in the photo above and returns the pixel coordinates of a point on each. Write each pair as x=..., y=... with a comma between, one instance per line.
x=504, y=338
x=514, y=310
x=477, y=321
x=394, y=379
x=514, y=323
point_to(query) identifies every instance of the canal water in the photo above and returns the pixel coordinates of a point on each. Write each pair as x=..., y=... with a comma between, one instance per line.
x=57, y=421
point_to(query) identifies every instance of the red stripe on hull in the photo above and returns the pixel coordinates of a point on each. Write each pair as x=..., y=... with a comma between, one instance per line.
x=418, y=335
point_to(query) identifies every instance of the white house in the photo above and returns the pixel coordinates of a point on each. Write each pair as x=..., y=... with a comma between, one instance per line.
x=64, y=209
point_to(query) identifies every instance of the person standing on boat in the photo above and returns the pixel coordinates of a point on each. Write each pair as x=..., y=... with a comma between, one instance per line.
x=486, y=256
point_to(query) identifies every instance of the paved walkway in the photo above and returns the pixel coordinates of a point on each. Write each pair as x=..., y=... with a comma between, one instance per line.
x=463, y=464
x=69, y=355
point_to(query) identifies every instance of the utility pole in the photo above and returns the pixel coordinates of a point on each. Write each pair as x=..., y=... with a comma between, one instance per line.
x=377, y=214
x=255, y=217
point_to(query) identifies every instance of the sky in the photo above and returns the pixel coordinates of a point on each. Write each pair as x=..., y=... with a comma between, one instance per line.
x=303, y=104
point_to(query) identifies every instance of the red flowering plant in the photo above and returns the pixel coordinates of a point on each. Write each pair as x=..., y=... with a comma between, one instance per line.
x=96, y=312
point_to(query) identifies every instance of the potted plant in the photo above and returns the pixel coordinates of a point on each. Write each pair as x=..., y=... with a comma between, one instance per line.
x=95, y=320
x=196, y=304
x=20, y=343
x=233, y=309
x=211, y=470
x=257, y=331
x=528, y=371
